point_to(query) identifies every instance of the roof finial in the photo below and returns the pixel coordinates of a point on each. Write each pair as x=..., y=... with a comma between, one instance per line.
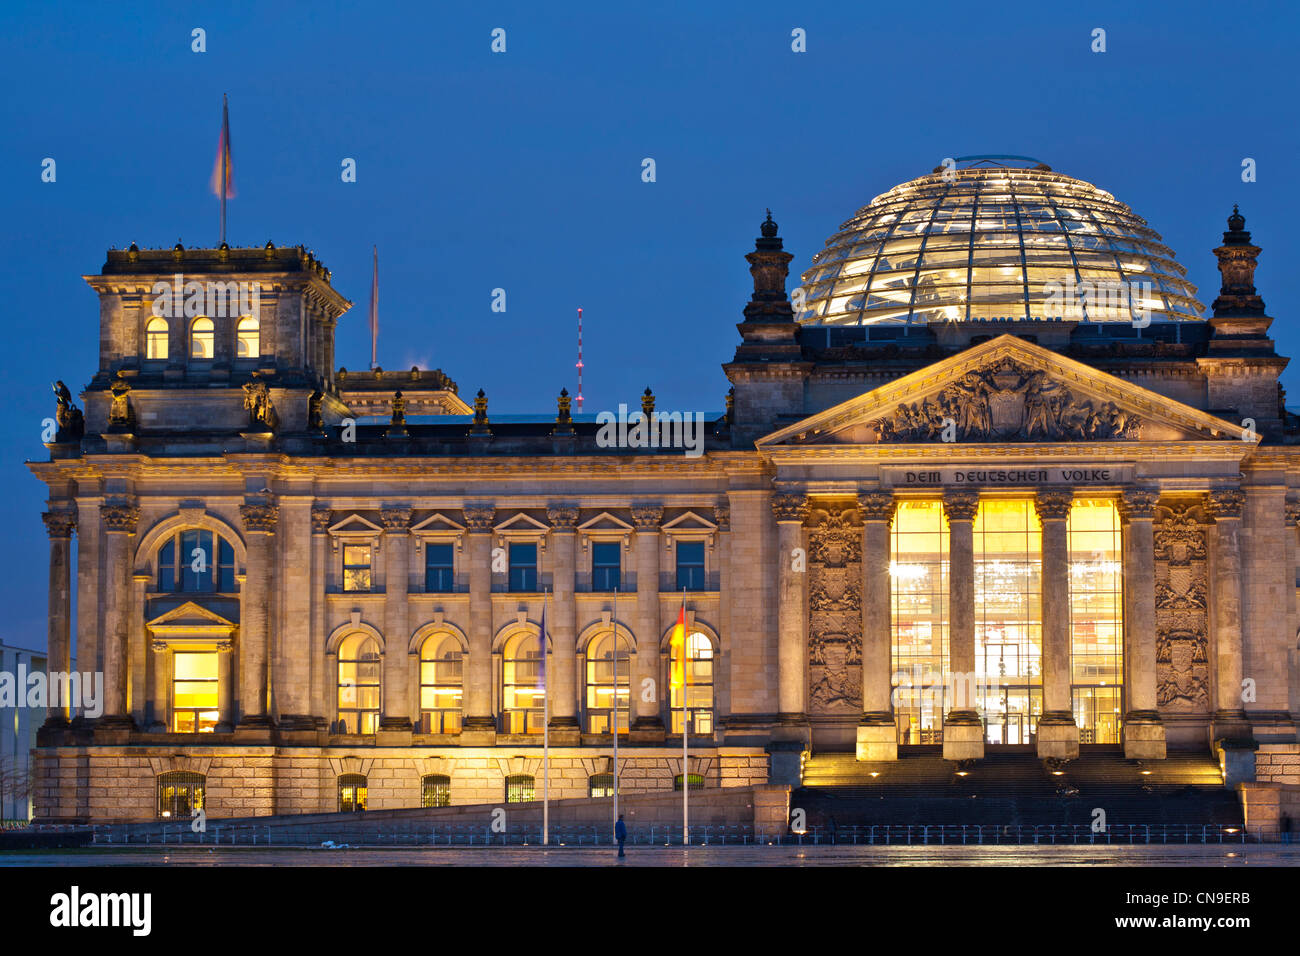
x=769, y=227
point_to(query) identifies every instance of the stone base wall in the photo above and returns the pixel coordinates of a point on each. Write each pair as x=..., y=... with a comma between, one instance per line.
x=115, y=784
x=1278, y=763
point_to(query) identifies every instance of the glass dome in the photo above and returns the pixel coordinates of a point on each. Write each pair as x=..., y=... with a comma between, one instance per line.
x=994, y=240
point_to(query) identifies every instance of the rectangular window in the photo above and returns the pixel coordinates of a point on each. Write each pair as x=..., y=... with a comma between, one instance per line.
x=605, y=566
x=194, y=692
x=439, y=568
x=918, y=572
x=356, y=567
x=690, y=565
x=1096, y=619
x=523, y=567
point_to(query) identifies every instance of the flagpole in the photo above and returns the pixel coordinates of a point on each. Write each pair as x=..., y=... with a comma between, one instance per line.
x=225, y=161
x=616, y=706
x=546, y=735
x=686, y=732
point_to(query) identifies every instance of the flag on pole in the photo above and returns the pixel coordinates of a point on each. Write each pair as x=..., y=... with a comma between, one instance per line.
x=677, y=646
x=374, y=314
x=223, y=169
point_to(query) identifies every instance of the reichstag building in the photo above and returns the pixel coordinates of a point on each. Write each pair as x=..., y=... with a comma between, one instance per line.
x=990, y=479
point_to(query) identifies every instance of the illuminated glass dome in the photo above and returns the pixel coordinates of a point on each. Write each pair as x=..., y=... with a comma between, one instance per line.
x=998, y=238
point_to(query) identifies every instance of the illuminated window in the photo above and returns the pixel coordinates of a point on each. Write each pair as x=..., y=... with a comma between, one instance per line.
x=194, y=692
x=699, y=683
x=600, y=785
x=520, y=788
x=202, y=338
x=605, y=565
x=247, y=338
x=523, y=705
x=155, y=339
x=356, y=567
x=206, y=563
x=180, y=793
x=359, y=685
x=690, y=566
x=439, y=569
x=1008, y=618
x=352, y=792
x=441, y=680
x=523, y=567
x=1096, y=619
x=601, y=691
x=918, y=572
x=435, y=790
x=696, y=781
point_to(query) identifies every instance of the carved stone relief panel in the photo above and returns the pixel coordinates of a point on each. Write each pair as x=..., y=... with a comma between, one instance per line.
x=834, y=609
x=1182, y=620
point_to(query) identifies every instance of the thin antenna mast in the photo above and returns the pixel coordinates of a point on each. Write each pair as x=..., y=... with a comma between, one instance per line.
x=580, y=361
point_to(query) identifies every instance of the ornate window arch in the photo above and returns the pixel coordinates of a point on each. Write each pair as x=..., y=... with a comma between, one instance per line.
x=442, y=679
x=522, y=706
x=248, y=338
x=702, y=648
x=156, y=332
x=146, y=552
x=203, y=339
x=359, y=682
x=606, y=678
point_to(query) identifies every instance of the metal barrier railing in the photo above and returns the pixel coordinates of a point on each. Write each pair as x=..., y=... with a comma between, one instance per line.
x=379, y=834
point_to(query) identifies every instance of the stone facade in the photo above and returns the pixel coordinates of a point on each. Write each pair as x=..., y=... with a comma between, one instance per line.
x=321, y=604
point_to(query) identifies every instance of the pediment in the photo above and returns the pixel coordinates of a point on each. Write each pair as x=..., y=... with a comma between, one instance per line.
x=690, y=521
x=190, y=617
x=437, y=523
x=605, y=522
x=522, y=523
x=355, y=524
x=1006, y=390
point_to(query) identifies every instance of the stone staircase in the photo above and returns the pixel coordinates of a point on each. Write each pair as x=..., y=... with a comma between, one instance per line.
x=1015, y=789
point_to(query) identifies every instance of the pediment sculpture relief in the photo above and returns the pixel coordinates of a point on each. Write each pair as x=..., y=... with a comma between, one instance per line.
x=1009, y=401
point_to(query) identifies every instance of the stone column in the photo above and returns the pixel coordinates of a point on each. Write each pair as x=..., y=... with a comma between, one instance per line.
x=225, y=687
x=963, y=731
x=563, y=685
x=1230, y=723
x=317, y=704
x=59, y=525
x=90, y=651
x=291, y=667
x=791, y=511
x=254, y=619
x=162, y=680
x=119, y=527
x=395, y=725
x=1144, y=735
x=1292, y=516
x=877, y=734
x=479, y=724
x=648, y=726
x=1058, y=734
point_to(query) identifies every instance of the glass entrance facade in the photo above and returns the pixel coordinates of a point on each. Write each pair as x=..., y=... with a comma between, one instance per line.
x=918, y=571
x=1096, y=620
x=1009, y=618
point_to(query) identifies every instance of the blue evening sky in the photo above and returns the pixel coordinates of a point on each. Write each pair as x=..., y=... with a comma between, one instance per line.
x=522, y=170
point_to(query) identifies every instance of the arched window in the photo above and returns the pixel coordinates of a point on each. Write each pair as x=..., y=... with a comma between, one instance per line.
x=699, y=682
x=352, y=792
x=196, y=560
x=180, y=793
x=359, y=684
x=435, y=790
x=520, y=788
x=600, y=785
x=696, y=781
x=155, y=339
x=441, y=680
x=202, y=338
x=248, y=340
x=601, y=691
x=521, y=692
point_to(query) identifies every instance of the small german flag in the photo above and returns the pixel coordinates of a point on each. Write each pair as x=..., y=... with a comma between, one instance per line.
x=677, y=648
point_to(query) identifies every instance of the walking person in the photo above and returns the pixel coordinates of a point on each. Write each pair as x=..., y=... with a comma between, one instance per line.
x=620, y=833
x=1286, y=828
